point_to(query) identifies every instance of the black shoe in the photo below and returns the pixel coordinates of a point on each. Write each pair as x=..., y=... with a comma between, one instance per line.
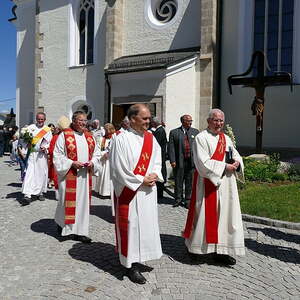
x=224, y=259
x=135, y=275
x=41, y=197
x=25, y=201
x=82, y=239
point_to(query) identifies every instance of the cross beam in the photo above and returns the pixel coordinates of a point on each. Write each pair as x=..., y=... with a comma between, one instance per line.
x=259, y=83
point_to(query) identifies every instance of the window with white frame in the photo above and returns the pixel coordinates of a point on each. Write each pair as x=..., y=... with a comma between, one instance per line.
x=273, y=32
x=86, y=17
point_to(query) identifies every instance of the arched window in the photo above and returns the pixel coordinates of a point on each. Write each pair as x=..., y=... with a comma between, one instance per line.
x=273, y=32
x=86, y=31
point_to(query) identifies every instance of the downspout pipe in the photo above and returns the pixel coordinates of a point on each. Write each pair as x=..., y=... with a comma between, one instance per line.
x=219, y=51
x=108, y=117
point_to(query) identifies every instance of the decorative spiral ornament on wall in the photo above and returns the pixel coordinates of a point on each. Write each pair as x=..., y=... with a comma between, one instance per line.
x=166, y=10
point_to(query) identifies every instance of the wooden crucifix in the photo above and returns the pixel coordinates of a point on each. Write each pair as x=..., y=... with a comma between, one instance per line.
x=259, y=83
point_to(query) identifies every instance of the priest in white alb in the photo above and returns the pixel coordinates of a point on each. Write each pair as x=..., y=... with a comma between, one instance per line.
x=76, y=158
x=214, y=223
x=36, y=176
x=104, y=186
x=135, y=160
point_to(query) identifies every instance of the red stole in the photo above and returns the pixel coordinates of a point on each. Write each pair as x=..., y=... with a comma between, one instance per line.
x=210, y=197
x=51, y=171
x=127, y=194
x=71, y=177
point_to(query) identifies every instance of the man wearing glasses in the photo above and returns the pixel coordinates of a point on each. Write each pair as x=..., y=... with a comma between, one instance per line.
x=76, y=158
x=180, y=152
x=214, y=222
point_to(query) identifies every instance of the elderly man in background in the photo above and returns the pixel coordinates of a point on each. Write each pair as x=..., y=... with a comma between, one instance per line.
x=160, y=134
x=36, y=176
x=125, y=124
x=75, y=157
x=214, y=222
x=181, y=158
x=97, y=130
x=135, y=161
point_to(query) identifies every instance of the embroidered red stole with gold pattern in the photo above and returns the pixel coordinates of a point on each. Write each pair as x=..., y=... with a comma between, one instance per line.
x=127, y=194
x=71, y=177
x=210, y=197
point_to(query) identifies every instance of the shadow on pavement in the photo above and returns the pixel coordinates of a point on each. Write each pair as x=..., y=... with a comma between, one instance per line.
x=49, y=227
x=284, y=254
x=103, y=212
x=278, y=235
x=18, y=196
x=8, y=162
x=101, y=255
x=174, y=247
x=165, y=200
x=15, y=184
x=51, y=195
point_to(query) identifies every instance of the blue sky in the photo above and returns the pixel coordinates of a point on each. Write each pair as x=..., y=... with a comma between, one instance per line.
x=7, y=57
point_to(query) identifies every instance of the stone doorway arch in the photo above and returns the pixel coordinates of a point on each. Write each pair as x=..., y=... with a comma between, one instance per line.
x=83, y=106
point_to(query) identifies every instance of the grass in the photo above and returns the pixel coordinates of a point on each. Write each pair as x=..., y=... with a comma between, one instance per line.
x=279, y=201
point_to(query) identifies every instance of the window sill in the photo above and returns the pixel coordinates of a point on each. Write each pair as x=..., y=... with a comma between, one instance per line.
x=81, y=66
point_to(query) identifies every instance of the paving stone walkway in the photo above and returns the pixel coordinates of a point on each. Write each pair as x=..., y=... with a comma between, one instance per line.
x=37, y=264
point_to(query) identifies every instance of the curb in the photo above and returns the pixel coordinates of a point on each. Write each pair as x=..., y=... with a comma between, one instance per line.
x=271, y=222
x=260, y=220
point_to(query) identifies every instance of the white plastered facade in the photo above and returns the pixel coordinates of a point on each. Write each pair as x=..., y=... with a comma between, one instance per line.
x=173, y=90
x=62, y=85
x=25, y=62
x=281, y=106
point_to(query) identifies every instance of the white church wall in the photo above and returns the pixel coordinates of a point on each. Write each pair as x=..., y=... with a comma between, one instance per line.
x=139, y=87
x=138, y=83
x=181, y=97
x=143, y=36
x=281, y=106
x=62, y=85
x=25, y=62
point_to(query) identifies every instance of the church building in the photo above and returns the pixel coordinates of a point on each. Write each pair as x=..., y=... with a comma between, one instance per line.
x=101, y=56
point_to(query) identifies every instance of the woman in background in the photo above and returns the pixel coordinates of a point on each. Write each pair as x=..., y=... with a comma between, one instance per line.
x=62, y=123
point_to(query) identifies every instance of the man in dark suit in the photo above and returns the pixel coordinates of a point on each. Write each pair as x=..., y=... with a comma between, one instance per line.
x=160, y=134
x=181, y=158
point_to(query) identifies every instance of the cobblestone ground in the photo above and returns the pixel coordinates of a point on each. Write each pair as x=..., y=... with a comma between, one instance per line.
x=37, y=264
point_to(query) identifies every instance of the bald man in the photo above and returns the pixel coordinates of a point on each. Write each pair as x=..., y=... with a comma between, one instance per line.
x=135, y=161
x=180, y=151
x=214, y=222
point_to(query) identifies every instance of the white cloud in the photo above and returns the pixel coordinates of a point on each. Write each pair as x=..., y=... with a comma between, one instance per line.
x=4, y=111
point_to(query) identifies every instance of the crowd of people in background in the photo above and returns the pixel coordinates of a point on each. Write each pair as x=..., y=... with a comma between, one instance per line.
x=128, y=163
x=7, y=134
